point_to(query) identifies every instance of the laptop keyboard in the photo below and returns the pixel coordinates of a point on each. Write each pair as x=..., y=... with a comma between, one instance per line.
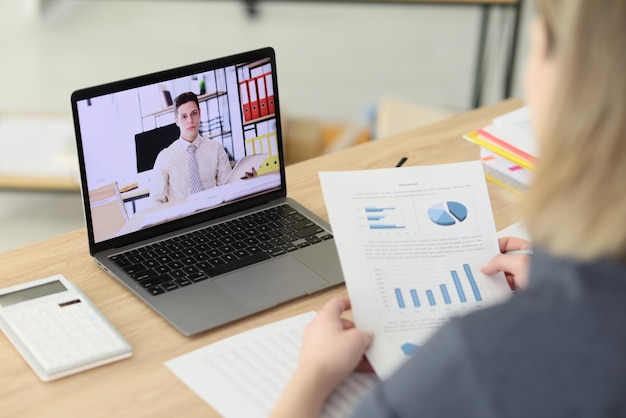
x=189, y=258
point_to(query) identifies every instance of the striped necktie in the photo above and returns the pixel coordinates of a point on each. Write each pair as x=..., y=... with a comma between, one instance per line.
x=194, y=173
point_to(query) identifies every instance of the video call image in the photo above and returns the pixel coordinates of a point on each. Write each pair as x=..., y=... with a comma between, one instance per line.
x=171, y=149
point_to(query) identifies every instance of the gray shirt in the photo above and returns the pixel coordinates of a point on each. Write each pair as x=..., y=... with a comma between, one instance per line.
x=556, y=349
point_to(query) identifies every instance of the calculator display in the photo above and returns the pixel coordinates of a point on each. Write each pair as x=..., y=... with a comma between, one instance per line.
x=35, y=292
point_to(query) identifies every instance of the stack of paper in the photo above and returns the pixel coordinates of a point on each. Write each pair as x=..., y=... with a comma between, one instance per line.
x=509, y=149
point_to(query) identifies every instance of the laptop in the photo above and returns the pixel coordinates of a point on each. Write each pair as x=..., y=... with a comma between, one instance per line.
x=214, y=256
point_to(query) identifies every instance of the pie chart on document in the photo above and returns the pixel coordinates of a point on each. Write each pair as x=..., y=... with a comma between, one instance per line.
x=447, y=213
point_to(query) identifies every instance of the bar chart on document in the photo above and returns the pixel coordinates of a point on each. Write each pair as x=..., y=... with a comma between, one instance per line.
x=384, y=219
x=422, y=299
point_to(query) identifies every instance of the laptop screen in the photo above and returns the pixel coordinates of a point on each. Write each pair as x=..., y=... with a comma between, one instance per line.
x=138, y=172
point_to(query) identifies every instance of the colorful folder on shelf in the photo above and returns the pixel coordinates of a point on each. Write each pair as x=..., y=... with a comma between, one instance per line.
x=245, y=101
x=254, y=98
x=269, y=87
x=264, y=144
x=262, y=94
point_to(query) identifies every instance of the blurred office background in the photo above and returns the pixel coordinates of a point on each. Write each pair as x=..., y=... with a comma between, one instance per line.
x=340, y=64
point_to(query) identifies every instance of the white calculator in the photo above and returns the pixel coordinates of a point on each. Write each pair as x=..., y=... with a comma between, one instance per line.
x=57, y=329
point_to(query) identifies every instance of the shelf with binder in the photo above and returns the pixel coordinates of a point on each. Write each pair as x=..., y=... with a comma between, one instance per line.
x=256, y=91
x=258, y=118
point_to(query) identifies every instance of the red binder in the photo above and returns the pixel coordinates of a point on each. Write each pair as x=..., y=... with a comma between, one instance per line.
x=269, y=91
x=254, y=98
x=245, y=101
x=260, y=84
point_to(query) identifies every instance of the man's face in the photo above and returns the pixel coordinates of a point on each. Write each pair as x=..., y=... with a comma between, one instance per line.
x=188, y=120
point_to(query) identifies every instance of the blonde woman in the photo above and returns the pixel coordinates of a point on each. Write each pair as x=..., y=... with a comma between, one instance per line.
x=556, y=348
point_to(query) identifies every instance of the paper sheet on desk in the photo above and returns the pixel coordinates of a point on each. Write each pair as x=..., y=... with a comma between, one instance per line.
x=411, y=241
x=244, y=375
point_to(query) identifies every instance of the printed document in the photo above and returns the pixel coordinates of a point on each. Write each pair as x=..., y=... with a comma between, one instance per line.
x=244, y=375
x=411, y=241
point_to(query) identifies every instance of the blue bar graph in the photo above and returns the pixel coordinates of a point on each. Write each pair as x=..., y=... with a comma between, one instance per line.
x=470, y=277
x=400, y=298
x=416, y=300
x=369, y=209
x=383, y=226
x=459, y=288
x=431, y=297
x=444, y=293
x=382, y=218
x=435, y=294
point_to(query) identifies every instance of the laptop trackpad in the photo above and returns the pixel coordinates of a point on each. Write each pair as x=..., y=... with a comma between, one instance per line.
x=268, y=284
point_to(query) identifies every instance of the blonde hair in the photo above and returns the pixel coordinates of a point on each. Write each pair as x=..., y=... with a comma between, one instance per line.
x=577, y=203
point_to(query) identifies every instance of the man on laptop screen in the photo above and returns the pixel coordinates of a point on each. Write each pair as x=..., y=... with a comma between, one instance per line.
x=191, y=163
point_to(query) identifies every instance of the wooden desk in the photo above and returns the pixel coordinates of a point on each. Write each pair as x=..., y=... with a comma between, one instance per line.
x=142, y=386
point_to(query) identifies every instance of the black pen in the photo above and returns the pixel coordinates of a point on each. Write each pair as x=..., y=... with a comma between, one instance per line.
x=402, y=161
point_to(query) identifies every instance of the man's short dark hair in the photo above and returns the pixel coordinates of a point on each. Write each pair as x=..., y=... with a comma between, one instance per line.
x=183, y=98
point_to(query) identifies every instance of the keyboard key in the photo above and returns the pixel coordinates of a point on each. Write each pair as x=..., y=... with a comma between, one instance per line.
x=265, y=245
x=214, y=252
x=155, y=281
x=145, y=274
x=169, y=286
x=216, y=262
x=134, y=268
x=177, y=273
x=313, y=239
x=183, y=282
x=190, y=270
x=303, y=224
x=156, y=290
x=253, y=249
x=241, y=253
x=197, y=277
x=289, y=247
x=309, y=231
x=275, y=252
